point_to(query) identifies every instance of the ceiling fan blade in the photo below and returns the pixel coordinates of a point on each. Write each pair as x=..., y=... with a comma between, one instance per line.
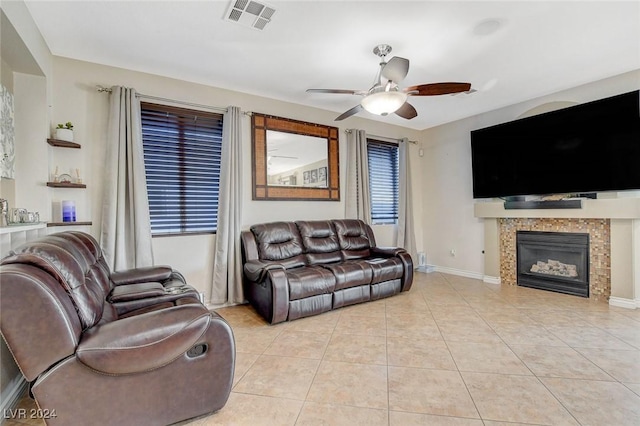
x=407, y=111
x=340, y=91
x=356, y=109
x=396, y=69
x=434, y=89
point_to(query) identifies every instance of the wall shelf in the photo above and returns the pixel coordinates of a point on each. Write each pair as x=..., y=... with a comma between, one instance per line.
x=50, y=224
x=63, y=144
x=66, y=185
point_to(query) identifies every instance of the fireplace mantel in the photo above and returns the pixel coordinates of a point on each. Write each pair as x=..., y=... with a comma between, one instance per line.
x=614, y=208
x=624, y=216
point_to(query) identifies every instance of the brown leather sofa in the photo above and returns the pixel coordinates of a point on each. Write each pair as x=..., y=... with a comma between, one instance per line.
x=298, y=269
x=125, y=348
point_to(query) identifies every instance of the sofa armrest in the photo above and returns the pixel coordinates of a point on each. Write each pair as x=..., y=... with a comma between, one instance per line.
x=125, y=293
x=270, y=295
x=137, y=275
x=387, y=251
x=256, y=270
x=407, y=278
x=279, y=282
x=143, y=342
x=405, y=258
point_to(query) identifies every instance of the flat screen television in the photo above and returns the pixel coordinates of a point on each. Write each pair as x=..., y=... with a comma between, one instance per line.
x=591, y=147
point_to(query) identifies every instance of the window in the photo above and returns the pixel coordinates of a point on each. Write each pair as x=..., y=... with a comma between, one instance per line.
x=383, y=181
x=182, y=150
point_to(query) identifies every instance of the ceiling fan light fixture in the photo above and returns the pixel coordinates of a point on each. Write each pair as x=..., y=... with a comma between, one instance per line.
x=384, y=103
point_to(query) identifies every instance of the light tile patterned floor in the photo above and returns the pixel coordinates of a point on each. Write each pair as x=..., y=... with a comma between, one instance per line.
x=452, y=351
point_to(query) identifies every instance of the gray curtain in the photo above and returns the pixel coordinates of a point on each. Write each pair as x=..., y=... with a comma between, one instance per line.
x=227, y=269
x=405, y=236
x=126, y=227
x=358, y=198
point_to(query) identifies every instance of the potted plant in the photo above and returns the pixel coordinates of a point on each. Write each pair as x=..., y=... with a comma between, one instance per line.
x=64, y=132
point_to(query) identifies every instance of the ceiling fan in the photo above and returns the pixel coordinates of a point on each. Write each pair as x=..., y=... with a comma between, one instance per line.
x=386, y=96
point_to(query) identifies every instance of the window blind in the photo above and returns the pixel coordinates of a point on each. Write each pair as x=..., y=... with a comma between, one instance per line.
x=182, y=152
x=383, y=181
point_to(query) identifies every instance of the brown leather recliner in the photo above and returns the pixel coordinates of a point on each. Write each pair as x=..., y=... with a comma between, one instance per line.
x=127, y=348
x=297, y=269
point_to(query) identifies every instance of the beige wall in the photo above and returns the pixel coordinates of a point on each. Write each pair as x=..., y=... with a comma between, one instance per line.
x=635, y=254
x=32, y=150
x=6, y=75
x=622, y=270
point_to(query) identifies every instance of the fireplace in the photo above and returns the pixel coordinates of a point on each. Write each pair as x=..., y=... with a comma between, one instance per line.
x=555, y=261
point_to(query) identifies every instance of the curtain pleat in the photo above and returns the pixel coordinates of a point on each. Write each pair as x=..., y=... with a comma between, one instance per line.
x=405, y=236
x=227, y=269
x=126, y=228
x=358, y=199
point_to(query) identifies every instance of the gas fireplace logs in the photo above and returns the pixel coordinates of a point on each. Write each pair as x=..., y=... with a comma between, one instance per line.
x=555, y=267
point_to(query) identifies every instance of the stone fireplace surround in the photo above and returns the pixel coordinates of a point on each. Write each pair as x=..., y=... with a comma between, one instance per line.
x=599, y=248
x=614, y=270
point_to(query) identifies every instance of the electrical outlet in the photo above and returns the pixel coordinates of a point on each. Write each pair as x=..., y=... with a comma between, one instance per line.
x=453, y=252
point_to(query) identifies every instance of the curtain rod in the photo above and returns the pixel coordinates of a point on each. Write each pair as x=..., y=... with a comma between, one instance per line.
x=384, y=138
x=157, y=98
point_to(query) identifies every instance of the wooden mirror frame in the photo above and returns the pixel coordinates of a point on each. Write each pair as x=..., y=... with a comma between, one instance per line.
x=260, y=123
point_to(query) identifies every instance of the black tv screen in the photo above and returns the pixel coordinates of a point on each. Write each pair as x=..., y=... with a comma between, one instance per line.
x=591, y=147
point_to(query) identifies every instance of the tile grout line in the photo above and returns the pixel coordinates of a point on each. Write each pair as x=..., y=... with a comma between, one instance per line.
x=466, y=386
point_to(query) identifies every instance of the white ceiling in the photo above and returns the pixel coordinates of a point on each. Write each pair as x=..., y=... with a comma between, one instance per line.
x=539, y=47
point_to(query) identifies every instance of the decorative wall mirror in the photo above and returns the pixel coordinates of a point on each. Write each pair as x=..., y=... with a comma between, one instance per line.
x=294, y=160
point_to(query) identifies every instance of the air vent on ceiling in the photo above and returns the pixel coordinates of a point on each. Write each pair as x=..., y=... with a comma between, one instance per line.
x=250, y=13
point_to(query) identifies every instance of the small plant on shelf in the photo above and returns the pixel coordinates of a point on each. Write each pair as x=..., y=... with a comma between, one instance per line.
x=65, y=131
x=67, y=125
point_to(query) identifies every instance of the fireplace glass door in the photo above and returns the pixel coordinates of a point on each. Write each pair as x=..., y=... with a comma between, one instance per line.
x=555, y=261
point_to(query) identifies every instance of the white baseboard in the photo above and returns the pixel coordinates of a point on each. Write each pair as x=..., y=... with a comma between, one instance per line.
x=491, y=280
x=12, y=394
x=427, y=269
x=459, y=272
x=621, y=302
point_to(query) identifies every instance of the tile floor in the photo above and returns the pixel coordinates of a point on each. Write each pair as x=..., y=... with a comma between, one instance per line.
x=452, y=351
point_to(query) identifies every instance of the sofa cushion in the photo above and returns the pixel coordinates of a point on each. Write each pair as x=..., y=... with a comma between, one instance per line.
x=353, y=238
x=320, y=241
x=73, y=268
x=313, y=305
x=353, y=295
x=351, y=273
x=281, y=242
x=309, y=281
x=91, y=244
x=385, y=289
x=385, y=269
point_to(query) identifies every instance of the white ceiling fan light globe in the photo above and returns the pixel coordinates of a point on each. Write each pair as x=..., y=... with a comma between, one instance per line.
x=384, y=103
